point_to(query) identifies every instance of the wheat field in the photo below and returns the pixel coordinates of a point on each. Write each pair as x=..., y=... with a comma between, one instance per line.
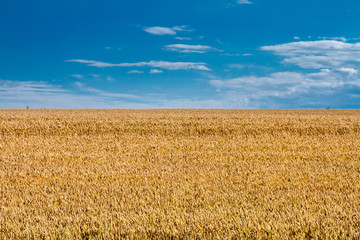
x=179, y=174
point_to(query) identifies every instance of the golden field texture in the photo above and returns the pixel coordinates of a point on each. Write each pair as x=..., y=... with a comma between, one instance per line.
x=160, y=174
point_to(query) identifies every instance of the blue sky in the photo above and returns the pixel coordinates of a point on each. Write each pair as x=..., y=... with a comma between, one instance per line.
x=180, y=54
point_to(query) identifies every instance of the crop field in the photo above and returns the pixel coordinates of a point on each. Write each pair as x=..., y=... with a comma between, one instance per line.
x=181, y=174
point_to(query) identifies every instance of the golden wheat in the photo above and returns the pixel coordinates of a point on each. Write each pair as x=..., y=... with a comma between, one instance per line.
x=111, y=174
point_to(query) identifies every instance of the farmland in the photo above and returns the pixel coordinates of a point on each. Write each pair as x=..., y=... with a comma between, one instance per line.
x=110, y=174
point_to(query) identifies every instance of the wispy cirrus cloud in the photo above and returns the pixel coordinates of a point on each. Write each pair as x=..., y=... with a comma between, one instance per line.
x=318, y=54
x=39, y=94
x=154, y=71
x=343, y=39
x=183, y=38
x=157, y=64
x=135, y=71
x=243, y=2
x=82, y=87
x=97, y=77
x=36, y=94
x=284, y=89
x=157, y=30
x=283, y=83
x=236, y=54
x=185, y=48
x=28, y=86
x=231, y=54
x=78, y=76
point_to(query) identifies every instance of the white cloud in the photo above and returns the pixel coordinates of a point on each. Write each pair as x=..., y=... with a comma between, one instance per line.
x=294, y=80
x=166, y=30
x=278, y=90
x=157, y=64
x=354, y=38
x=335, y=83
x=152, y=71
x=97, y=77
x=184, y=48
x=36, y=94
x=82, y=87
x=243, y=2
x=20, y=94
x=237, y=65
x=281, y=89
x=110, y=79
x=237, y=54
x=231, y=54
x=343, y=39
x=134, y=71
x=350, y=71
x=30, y=86
x=296, y=38
x=318, y=54
x=183, y=38
x=160, y=30
x=182, y=28
x=107, y=48
x=219, y=41
x=78, y=76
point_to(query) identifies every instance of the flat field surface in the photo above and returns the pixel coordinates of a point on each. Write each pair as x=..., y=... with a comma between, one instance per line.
x=111, y=174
